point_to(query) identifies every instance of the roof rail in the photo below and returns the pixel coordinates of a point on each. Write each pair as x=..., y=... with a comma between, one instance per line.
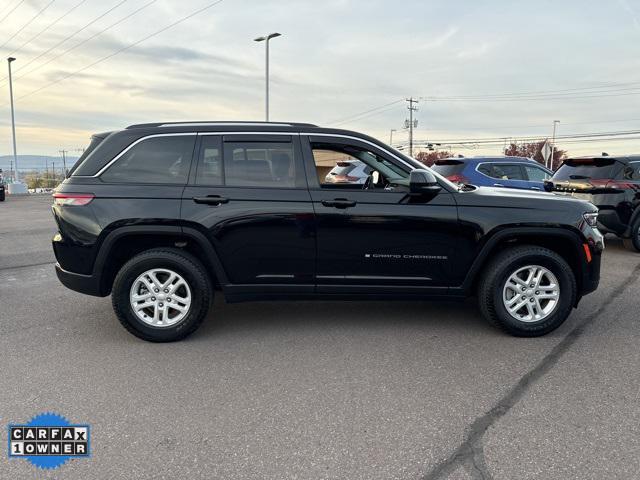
x=220, y=124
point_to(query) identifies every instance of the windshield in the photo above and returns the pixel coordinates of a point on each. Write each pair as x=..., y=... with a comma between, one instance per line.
x=585, y=169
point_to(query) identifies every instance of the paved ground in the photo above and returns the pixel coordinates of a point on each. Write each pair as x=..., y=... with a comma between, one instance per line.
x=319, y=390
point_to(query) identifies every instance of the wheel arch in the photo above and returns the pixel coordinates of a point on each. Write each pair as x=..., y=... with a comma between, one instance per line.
x=123, y=243
x=567, y=243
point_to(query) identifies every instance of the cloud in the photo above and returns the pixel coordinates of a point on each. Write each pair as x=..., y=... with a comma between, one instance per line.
x=440, y=40
x=475, y=51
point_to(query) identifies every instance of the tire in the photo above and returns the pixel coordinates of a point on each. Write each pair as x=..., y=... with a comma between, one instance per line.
x=633, y=243
x=2, y=193
x=192, y=283
x=493, y=291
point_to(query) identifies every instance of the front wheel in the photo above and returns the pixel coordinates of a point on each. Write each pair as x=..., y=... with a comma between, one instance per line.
x=161, y=295
x=527, y=291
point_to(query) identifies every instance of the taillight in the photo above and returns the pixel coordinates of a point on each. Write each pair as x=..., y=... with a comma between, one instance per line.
x=457, y=178
x=72, y=199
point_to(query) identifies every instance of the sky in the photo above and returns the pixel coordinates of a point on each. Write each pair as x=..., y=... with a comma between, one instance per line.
x=348, y=64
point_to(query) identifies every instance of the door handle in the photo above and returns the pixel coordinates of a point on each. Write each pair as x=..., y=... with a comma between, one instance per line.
x=211, y=200
x=498, y=185
x=339, y=203
x=535, y=188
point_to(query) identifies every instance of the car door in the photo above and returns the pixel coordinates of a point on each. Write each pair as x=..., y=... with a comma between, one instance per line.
x=377, y=239
x=248, y=194
x=536, y=176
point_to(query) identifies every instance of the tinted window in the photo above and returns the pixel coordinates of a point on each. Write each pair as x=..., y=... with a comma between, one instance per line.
x=95, y=141
x=504, y=171
x=448, y=168
x=210, y=162
x=631, y=171
x=536, y=174
x=261, y=164
x=584, y=169
x=163, y=159
x=487, y=169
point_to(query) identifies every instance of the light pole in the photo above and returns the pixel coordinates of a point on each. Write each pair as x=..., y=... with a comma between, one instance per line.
x=553, y=144
x=13, y=121
x=391, y=136
x=266, y=39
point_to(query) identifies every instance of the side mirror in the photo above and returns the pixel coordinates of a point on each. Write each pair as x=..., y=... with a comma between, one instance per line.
x=423, y=182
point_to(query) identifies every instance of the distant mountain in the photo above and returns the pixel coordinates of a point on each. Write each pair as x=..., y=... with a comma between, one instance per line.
x=34, y=162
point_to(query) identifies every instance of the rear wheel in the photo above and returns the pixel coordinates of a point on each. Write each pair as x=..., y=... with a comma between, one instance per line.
x=161, y=295
x=633, y=242
x=527, y=291
x=2, y=195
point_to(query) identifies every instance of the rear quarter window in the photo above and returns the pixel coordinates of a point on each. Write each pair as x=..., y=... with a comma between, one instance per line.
x=163, y=159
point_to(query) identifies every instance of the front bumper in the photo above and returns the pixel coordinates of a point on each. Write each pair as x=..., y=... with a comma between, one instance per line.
x=87, y=284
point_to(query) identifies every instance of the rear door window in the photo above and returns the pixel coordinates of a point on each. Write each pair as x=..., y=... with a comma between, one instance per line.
x=585, y=169
x=506, y=171
x=260, y=164
x=162, y=159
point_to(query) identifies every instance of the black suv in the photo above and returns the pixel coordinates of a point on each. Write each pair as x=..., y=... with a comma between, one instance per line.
x=161, y=215
x=610, y=183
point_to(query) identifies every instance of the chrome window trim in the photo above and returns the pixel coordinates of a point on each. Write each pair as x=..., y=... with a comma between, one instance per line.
x=290, y=134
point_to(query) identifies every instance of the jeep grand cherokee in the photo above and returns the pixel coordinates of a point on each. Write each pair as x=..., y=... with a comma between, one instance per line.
x=163, y=215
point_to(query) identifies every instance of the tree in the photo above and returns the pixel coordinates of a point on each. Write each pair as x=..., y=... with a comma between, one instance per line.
x=429, y=158
x=534, y=150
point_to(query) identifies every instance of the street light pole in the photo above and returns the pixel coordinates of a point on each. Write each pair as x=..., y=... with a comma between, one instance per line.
x=13, y=122
x=553, y=144
x=266, y=39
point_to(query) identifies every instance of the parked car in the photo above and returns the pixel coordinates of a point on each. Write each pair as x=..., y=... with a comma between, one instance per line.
x=353, y=171
x=610, y=183
x=2, y=187
x=508, y=172
x=161, y=215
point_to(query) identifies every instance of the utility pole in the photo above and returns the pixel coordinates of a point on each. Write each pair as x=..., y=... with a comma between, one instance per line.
x=64, y=163
x=53, y=167
x=391, y=137
x=411, y=124
x=553, y=144
x=46, y=170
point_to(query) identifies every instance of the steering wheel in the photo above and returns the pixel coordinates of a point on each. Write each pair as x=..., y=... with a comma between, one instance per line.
x=368, y=183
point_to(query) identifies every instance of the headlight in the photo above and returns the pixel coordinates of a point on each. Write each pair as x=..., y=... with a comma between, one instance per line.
x=591, y=218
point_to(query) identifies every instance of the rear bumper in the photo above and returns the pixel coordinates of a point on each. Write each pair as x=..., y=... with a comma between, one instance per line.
x=87, y=284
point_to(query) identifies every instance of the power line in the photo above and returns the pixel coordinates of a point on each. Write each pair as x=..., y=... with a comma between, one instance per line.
x=352, y=117
x=47, y=27
x=12, y=10
x=69, y=37
x=541, y=92
x=88, y=39
x=28, y=23
x=106, y=57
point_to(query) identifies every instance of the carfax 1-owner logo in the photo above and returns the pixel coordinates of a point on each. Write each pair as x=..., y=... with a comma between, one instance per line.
x=49, y=440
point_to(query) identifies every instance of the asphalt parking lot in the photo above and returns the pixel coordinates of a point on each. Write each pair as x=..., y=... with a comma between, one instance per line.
x=404, y=390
